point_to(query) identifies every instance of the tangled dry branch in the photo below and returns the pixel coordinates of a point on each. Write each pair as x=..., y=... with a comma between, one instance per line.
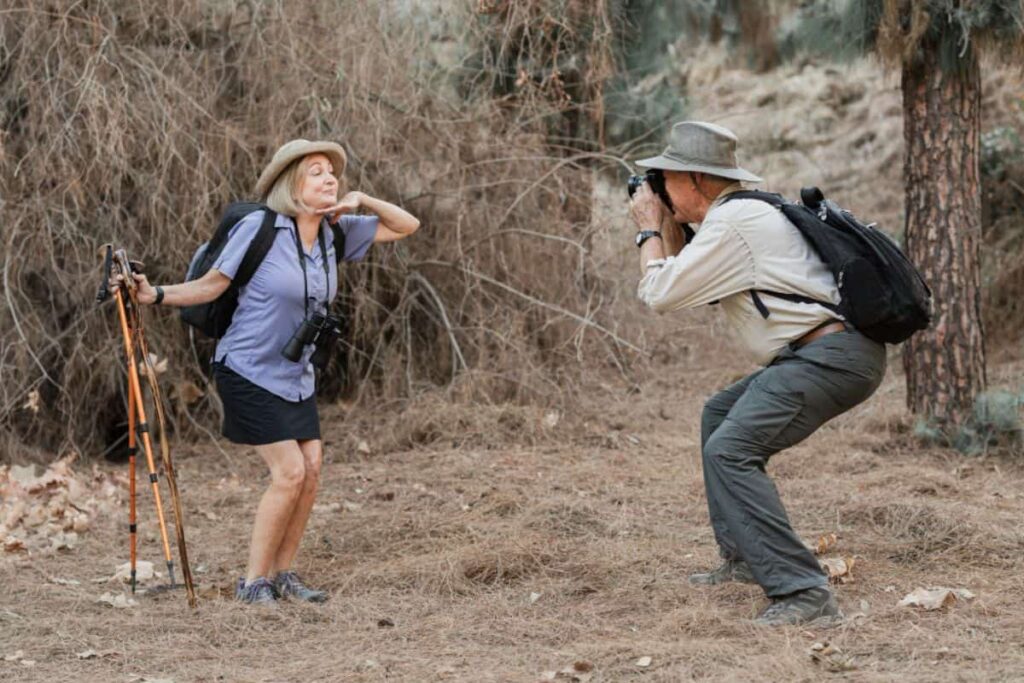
x=136, y=123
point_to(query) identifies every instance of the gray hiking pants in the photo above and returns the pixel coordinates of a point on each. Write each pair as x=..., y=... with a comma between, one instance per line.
x=760, y=415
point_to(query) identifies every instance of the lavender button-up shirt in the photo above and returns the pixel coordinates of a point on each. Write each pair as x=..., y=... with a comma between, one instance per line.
x=270, y=306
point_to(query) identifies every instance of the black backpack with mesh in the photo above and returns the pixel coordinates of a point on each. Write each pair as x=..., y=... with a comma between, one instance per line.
x=213, y=318
x=881, y=293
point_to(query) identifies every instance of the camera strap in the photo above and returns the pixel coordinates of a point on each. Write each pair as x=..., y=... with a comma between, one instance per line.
x=302, y=264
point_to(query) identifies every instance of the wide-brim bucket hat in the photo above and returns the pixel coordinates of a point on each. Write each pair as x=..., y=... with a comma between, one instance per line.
x=294, y=150
x=701, y=148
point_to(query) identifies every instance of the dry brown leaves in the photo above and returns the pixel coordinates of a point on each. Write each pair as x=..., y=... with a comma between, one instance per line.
x=159, y=366
x=839, y=569
x=45, y=512
x=935, y=598
x=144, y=572
x=831, y=657
x=18, y=657
x=825, y=543
x=117, y=600
x=578, y=672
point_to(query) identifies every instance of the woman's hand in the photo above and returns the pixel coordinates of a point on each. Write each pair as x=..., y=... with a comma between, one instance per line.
x=347, y=204
x=146, y=291
x=646, y=209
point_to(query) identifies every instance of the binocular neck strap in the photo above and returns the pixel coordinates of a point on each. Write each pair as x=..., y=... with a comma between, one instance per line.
x=302, y=263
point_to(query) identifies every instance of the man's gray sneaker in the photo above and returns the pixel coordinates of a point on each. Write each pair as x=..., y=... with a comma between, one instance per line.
x=800, y=608
x=259, y=591
x=736, y=571
x=288, y=584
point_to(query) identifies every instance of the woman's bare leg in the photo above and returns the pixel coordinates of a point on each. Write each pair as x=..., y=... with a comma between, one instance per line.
x=312, y=452
x=287, y=474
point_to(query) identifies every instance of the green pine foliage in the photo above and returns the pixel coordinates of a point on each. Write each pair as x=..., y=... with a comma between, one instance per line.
x=996, y=424
x=895, y=29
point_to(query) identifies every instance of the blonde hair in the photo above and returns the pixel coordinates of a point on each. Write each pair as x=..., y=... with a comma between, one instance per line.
x=282, y=197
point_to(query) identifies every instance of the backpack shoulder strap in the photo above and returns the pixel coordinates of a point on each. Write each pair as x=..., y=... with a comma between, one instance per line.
x=257, y=250
x=755, y=295
x=776, y=200
x=339, y=241
x=769, y=197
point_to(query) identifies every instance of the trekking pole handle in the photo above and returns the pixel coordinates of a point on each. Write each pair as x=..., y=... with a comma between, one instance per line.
x=104, y=291
x=126, y=267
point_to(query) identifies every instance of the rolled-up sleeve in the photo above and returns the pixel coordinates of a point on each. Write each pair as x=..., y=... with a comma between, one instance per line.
x=360, y=231
x=240, y=236
x=718, y=263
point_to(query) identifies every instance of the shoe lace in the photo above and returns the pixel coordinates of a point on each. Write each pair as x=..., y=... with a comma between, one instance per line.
x=776, y=608
x=289, y=582
x=256, y=588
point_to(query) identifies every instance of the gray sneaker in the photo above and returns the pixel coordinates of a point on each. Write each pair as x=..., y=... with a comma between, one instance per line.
x=731, y=571
x=288, y=584
x=800, y=608
x=259, y=591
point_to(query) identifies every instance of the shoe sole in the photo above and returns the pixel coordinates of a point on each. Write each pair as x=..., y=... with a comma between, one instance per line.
x=820, y=621
x=701, y=582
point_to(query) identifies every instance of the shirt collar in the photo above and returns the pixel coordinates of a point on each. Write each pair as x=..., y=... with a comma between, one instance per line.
x=285, y=221
x=719, y=200
x=728, y=190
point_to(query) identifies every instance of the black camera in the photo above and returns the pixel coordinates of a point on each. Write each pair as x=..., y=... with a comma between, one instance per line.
x=322, y=331
x=654, y=177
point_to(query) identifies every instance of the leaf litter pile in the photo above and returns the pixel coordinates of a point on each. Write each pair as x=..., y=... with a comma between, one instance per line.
x=46, y=510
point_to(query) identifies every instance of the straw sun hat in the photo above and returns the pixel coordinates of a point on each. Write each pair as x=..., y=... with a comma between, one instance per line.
x=296, y=149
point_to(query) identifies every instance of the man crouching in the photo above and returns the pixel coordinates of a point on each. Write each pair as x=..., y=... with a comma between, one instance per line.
x=778, y=297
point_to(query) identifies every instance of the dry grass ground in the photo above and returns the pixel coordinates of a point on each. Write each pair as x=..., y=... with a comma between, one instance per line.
x=502, y=558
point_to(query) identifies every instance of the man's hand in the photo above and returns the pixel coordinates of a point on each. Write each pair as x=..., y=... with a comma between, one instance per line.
x=650, y=213
x=646, y=209
x=672, y=236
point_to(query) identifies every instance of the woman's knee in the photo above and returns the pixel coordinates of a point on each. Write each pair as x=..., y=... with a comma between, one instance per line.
x=313, y=456
x=289, y=473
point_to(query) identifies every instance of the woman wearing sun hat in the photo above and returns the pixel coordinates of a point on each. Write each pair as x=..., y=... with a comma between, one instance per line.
x=269, y=400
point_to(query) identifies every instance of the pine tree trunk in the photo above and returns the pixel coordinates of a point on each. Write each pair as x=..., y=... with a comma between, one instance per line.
x=945, y=365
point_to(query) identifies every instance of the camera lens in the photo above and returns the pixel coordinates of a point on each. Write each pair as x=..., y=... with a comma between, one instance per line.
x=633, y=184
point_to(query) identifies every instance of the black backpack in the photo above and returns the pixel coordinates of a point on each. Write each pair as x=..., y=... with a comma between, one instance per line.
x=881, y=293
x=214, y=318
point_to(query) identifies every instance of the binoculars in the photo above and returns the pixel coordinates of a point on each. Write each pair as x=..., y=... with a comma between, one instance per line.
x=322, y=331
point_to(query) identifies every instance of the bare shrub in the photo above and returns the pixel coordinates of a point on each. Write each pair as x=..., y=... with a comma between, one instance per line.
x=136, y=123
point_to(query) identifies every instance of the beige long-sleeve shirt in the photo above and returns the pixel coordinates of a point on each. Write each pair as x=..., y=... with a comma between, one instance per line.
x=746, y=245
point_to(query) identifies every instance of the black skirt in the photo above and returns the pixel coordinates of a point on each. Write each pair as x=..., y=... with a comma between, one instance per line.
x=255, y=417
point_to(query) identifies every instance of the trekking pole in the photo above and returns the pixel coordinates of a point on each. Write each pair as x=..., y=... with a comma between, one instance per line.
x=118, y=263
x=132, y=449
x=101, y=296
x=165, y=454
x=126, y=266
x=142, y=426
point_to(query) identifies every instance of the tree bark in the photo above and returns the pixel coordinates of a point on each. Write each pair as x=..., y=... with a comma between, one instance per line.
x=945, y=365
